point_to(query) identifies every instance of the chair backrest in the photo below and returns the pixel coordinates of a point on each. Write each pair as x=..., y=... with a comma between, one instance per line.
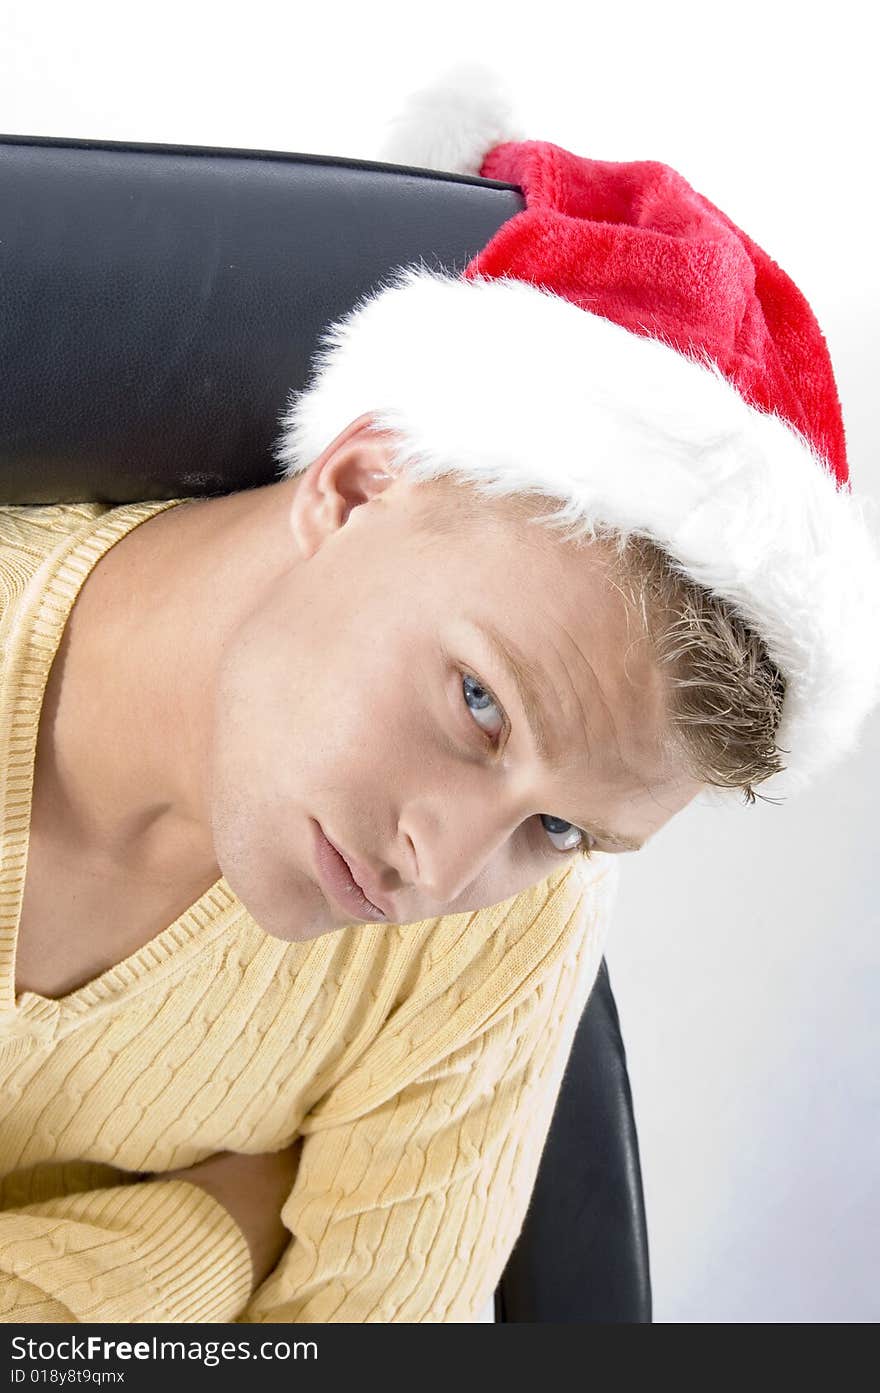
x=582, y=1253
x=160, y=301
x=158, y=304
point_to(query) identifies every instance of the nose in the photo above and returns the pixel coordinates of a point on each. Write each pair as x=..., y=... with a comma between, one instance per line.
x=458, y=842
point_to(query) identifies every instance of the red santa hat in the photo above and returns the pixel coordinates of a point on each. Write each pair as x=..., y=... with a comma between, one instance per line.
x=622, y=346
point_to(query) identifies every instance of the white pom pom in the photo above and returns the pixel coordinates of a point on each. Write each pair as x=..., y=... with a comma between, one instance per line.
x=452, y=124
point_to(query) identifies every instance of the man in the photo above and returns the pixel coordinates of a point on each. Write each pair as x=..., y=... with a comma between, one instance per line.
x=392, y=725
x=380, y=700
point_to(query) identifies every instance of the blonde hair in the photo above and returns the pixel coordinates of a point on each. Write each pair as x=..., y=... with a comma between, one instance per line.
x=725, y=692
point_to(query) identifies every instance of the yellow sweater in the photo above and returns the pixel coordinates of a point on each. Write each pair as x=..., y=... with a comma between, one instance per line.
x=420, y=1063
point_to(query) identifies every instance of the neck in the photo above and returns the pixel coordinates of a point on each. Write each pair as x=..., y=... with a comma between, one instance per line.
x=123, y=752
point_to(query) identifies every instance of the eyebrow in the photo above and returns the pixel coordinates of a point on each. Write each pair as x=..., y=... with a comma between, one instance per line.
x=527, y=678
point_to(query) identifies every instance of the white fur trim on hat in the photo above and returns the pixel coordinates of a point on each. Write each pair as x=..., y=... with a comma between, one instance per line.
x=512, y=388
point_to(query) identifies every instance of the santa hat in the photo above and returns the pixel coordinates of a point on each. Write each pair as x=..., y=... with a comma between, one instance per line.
x=622, y=346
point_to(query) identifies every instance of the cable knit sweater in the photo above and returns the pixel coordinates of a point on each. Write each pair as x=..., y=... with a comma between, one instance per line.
x=420, y=1063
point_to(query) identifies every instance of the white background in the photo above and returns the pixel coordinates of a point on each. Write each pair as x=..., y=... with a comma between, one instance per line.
x=744, y=954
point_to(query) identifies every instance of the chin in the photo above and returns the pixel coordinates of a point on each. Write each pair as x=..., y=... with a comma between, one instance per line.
x=296, y=933
x=270, y=879
x=292, y=909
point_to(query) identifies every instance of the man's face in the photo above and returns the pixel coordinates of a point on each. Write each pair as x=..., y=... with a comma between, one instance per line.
x=362, y=693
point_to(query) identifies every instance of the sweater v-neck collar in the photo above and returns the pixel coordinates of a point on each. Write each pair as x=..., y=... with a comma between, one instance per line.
x=36, y=630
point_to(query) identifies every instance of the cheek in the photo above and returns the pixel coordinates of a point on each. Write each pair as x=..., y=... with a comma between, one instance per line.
x=340, y=714
x=351, y=711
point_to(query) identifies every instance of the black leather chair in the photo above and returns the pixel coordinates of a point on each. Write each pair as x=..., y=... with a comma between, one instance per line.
x=158, y=303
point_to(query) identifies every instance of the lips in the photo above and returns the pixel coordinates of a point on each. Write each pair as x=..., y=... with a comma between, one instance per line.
x=338, y=878
x=362, y=880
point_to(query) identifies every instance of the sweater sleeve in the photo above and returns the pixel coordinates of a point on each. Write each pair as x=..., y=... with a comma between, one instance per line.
x=150, y=1251
x=409, y=1210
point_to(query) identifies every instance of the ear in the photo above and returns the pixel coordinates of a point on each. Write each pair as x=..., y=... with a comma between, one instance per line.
x=351, y=471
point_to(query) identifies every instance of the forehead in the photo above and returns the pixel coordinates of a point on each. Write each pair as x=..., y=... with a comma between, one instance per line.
x=594, y=702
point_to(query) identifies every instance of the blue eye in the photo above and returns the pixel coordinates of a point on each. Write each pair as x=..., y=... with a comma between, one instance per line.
x=483, y=701
x=572, y=836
